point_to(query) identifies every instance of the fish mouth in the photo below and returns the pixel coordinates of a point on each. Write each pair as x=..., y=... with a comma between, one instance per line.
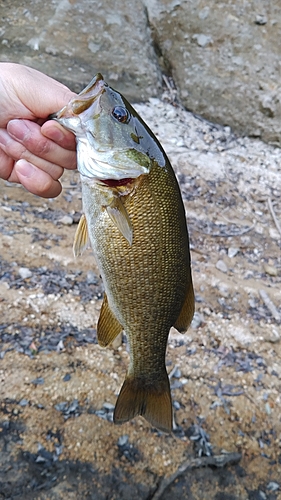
x=82, y=102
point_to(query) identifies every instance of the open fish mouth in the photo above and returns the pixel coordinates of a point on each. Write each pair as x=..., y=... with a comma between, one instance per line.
x=81, y=103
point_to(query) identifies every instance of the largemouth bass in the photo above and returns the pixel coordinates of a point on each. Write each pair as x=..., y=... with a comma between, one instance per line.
x=135, y=222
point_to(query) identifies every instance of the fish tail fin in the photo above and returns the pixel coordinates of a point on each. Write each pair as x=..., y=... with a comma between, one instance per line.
x=151, y=400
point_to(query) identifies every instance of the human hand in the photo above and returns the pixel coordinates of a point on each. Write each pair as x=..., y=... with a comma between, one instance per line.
x=33, y=150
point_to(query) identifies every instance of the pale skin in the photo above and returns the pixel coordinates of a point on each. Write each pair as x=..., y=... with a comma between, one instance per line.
x=34, y=151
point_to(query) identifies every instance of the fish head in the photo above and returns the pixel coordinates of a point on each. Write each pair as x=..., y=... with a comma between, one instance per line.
x=113, y=143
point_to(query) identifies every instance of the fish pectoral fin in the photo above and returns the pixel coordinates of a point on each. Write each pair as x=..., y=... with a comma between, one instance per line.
x=81, y=238
x=119, y=216
x=152, y=401
x=187, y=311
x=108, y=326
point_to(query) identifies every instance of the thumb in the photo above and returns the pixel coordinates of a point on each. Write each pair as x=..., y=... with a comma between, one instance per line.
x=39, y=94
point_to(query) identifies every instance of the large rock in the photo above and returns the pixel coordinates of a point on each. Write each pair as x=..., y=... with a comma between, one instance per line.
x=225, y=60
x=73, y=40
x=223, y=56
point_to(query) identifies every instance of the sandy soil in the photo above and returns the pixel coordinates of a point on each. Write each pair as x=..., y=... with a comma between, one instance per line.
x=58, y=387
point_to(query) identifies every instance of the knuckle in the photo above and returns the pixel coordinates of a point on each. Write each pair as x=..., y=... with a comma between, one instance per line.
x=40, y=147
x=15, y=150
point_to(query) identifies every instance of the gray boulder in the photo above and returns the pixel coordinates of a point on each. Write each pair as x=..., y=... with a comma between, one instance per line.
x=225, y=60
x=71, y=41
x=224, y=57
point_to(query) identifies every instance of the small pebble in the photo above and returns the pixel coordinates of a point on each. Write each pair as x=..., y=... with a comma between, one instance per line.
x=73, y=406
x=202, y=40
x=91, y=278
x=38, y=381
x=177, y=373
x=61, y=406
x=267, y=408
x=101, y=414
x=123, y=440
x=270, y=270
x=67, y=377
x=176, y=405
x=273, y=486
x=23, y=402
x=108, y=406
x=60, y=346
x=221, y=266
x=24, y=273
x=40, y=459
x=67, y=220
x=232, y=251
x=184, y=381
x=273, y=233
x=260, y=19
x=177, y=384
x=197, y=320
x=203, y=14
x=58, y=449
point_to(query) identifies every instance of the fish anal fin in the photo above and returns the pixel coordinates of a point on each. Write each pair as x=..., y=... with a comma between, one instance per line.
x=81, y=238
x=151, y=400
x=119, y=216
x=108, y=326
x=187, y=311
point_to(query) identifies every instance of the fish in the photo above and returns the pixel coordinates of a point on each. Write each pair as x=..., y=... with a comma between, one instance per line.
x=134, y=221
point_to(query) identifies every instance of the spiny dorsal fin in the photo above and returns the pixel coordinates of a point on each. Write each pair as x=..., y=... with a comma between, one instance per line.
x=119, y=216
x=108, y=326
x=187, y=311
x=81, y=238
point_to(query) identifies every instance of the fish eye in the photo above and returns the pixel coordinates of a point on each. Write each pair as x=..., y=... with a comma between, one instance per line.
x=120, y=114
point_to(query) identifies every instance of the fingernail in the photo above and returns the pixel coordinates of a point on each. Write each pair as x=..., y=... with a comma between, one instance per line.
x=18, y=129
x=24, y=168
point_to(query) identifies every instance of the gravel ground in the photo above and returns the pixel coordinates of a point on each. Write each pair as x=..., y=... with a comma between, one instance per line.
x=58, y=387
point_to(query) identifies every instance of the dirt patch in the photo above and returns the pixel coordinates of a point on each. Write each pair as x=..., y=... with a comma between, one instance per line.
x=58, y=387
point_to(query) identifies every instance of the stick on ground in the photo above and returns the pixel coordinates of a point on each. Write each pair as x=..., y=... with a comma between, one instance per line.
x=194, y=463
x=270, y=206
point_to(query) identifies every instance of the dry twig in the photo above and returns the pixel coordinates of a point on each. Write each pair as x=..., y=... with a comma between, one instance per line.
x=173, y=371
x=229, y=235
x=194, y=463
x=271, y=209
x=270, y=306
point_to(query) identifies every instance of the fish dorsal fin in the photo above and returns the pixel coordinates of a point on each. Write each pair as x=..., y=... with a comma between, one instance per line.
x=187, y=311
x=119, y=216
x=81, y=238
x=108, y=326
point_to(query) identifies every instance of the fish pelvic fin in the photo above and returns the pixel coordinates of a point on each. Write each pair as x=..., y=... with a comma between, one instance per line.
x=108, y=326
x=120, y=218
x=151, y=400
x=81, y=238
x=187, y=311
